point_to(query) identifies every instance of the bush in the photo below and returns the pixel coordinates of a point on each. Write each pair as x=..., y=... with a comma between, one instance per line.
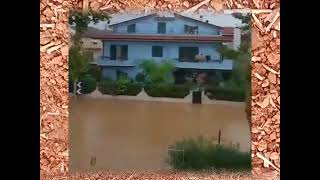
x=202, y=154
x=88, y=85
x=95, y=72
x=70, y=85
x=112, y=88
x=107, y=87
x=139, y=77
x=122, y=84
x=167, y=90
x=156, y=72
x=226, y=93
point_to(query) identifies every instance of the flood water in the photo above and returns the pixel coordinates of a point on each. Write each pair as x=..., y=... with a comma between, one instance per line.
x=135, y=135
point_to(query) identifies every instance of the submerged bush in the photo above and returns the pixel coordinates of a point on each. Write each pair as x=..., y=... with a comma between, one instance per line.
x=113, y=88
x=199, y=154
x=88, y=84
x=95, y=72
x=140, y=77
x=226, y=93
x=167, y=90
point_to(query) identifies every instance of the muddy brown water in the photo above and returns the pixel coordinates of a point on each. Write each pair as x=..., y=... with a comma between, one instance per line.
x=135, y=135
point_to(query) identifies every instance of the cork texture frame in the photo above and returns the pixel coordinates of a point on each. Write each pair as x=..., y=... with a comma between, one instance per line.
x=265, y=103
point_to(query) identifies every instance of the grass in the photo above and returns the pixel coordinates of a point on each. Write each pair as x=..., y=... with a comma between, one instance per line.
x=202, y=154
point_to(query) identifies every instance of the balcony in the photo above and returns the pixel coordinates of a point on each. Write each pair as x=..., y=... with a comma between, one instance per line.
x=106, y=61
x=226, y=64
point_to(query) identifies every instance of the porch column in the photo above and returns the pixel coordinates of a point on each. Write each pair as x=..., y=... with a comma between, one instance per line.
x=221, y=54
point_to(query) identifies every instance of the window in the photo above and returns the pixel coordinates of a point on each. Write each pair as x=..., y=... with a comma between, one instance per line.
x=157, y=51
x=119, y=52
x=131, y=28
x=94, y=42
x=190, y=29
x=162, y=28
x=188, y=53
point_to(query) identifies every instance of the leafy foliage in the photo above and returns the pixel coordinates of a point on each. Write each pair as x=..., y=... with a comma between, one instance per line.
x=79, y=60
x=167, y=90
x=201, y=153
x=122, y=84
x=111, y=88
x=78, y=63
x=140, y=77
x=88, y=84
x=95, y=72
x=81, y=21
x=157, y=72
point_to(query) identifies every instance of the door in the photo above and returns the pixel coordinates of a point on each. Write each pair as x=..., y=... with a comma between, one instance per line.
x=113, y=52
x=188, y=53
x=196, y=97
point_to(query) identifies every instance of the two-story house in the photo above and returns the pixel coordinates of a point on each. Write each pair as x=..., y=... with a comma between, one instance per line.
x=177, y=38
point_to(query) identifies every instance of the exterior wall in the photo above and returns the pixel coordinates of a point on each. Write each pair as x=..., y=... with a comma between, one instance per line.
x=149, y=25
x=88, y=43
x=235, y=44
x=143, y=50
x=111, y=72
x=236, y=38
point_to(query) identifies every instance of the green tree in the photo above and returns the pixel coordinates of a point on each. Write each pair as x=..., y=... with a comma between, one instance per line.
x=241, y=74
x=157, y=73
x=81, y=21
x=79, y=60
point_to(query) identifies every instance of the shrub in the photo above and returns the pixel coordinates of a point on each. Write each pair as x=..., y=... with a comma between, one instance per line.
x=226, y=93
x=140, y=77
x=199, y=154
x=132, y=89
x=122, y=84
x=112, y=88
x=167, y=90
x=88, y=84
x=156, y=72
x=95, y=72
x=107, y=87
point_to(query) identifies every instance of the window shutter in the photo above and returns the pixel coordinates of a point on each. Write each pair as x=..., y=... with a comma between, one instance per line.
x=161, y=27
x=157, y=51
x=113, y=52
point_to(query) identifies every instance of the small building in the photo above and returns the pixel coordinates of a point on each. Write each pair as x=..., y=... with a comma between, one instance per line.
x=91, y=46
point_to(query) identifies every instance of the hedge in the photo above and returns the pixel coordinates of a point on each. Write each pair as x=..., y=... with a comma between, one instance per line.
x=132, y=89
x=228, y=94
x=167, y=90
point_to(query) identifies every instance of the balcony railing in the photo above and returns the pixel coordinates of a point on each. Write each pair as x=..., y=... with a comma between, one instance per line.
x=107, y=61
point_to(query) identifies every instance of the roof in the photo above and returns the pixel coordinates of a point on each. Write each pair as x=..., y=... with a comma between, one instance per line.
x=227, y=30
x=160, y=38
x=166, y=15
x=93, y=32
x=142, y=17
x=196, y=20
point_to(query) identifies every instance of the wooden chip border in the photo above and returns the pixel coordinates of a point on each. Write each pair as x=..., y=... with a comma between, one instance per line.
x=265, y=130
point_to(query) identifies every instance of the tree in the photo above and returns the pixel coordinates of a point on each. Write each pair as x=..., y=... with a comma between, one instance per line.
x=78, y=60
x=241, y=74
x=157, y=72
x=81, y=21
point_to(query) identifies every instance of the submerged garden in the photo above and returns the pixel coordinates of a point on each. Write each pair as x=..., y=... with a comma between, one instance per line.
x=158, y=80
